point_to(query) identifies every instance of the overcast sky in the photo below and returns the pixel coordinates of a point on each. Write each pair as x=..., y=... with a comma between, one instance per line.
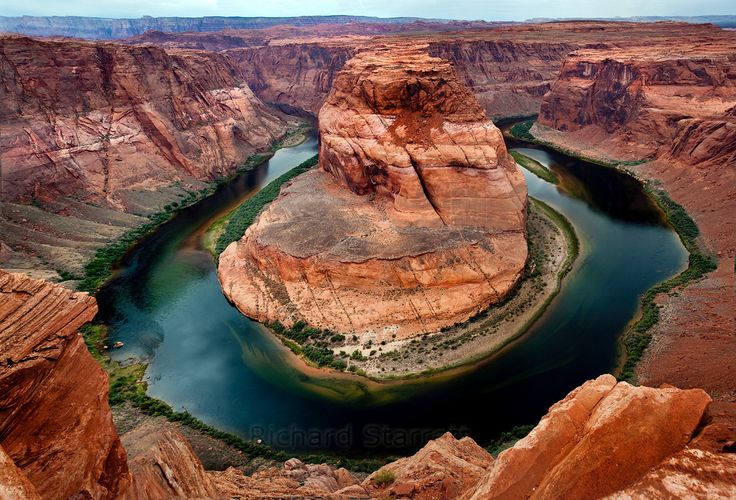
x=490, y=10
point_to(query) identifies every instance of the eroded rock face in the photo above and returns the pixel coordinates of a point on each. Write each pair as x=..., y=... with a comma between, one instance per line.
x=601, y=438
x=163, y=464
x=416, y=221
x=96, y=119
x=55, y=422
x=444, y=468
x=671, y=103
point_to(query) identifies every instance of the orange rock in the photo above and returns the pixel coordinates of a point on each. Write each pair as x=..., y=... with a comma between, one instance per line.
x=14, y=485
x=163, y=464
x=420, y=225
x=601, y=438
x=444, y=468
x=55, y=422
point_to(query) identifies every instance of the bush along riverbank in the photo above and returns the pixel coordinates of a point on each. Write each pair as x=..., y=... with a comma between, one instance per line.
x=236, y=223
x=535, y=167
x=700, y=262
x=127, y=386
x=637, y=336
x=100, y=267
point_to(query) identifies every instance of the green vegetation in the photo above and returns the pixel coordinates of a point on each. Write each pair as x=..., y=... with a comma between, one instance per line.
x=99, y=269
x=242, y=217
x=314, y=344
x=508, y=439
x=522, y=132
x=383, y=478
x=637, y=338
x=127, y=386
x=535, y=167
x=66, y=275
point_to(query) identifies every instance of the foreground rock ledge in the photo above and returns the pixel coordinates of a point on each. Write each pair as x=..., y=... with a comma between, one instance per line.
x=415, y=222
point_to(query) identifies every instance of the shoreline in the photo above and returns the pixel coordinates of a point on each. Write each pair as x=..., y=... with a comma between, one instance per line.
x=471, y=357
x=635, y=338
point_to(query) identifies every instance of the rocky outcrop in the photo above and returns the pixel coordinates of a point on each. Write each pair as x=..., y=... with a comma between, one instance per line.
x=605, y=439
x=294, y=479
x=416, y=187
x=596, y=441
x=163, y=464
x=55, y=422
x=444, y=468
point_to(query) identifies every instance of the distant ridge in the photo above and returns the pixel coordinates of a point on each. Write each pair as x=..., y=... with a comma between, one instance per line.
x=100, y=28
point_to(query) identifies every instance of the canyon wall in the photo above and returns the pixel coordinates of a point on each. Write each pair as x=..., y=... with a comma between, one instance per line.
x=55, y=422
x=415, y=222
x=95, y=136
x=509, y=77
x=671, y=104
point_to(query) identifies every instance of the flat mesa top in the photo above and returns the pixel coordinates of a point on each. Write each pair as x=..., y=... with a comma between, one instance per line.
x=351, y=228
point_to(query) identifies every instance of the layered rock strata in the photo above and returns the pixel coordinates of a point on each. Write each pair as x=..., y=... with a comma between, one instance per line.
x=55, y=422
x=95, y=135
x=671, y=105
x=416, y=220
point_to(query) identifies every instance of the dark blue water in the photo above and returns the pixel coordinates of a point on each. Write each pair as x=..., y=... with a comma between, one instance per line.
x=204, y=356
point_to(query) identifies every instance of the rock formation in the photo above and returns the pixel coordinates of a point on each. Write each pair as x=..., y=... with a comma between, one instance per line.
x=444, y=468
x=603, y=439
x=670, y=103
x=416, y=221
x=91, y=132
x=163, y=464
x=55, y=422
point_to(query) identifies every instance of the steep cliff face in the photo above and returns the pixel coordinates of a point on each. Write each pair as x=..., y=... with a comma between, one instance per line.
x=671, y=103
x=91, y=132
x=55, y=422
x=98, y=119
x=420, y=192
x=295, y=74
x=509, y=77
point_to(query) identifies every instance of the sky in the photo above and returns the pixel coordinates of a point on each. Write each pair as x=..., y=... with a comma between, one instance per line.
x=489, y=10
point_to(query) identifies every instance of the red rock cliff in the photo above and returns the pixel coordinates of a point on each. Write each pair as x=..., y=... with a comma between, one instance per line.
x=97, y=119
x=55, y=422
x=672, y=103
x=419, y=224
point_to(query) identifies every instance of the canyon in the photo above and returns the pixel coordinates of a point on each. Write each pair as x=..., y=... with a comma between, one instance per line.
x=669, y=114
x=604, y=439
x=415, y=186
x=96, y=137
x=117, y=131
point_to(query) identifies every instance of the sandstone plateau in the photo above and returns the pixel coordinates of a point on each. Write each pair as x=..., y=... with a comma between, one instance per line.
x=415, y=221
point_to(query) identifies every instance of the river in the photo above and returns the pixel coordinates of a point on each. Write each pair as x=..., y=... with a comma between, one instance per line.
x=166, y=305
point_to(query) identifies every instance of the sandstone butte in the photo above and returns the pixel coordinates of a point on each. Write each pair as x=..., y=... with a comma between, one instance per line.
x=100, y=135
x=605, y=439
x=414, y=222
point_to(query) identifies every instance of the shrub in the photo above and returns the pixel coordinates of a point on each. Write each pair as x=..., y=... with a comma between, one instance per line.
x=383, y=478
